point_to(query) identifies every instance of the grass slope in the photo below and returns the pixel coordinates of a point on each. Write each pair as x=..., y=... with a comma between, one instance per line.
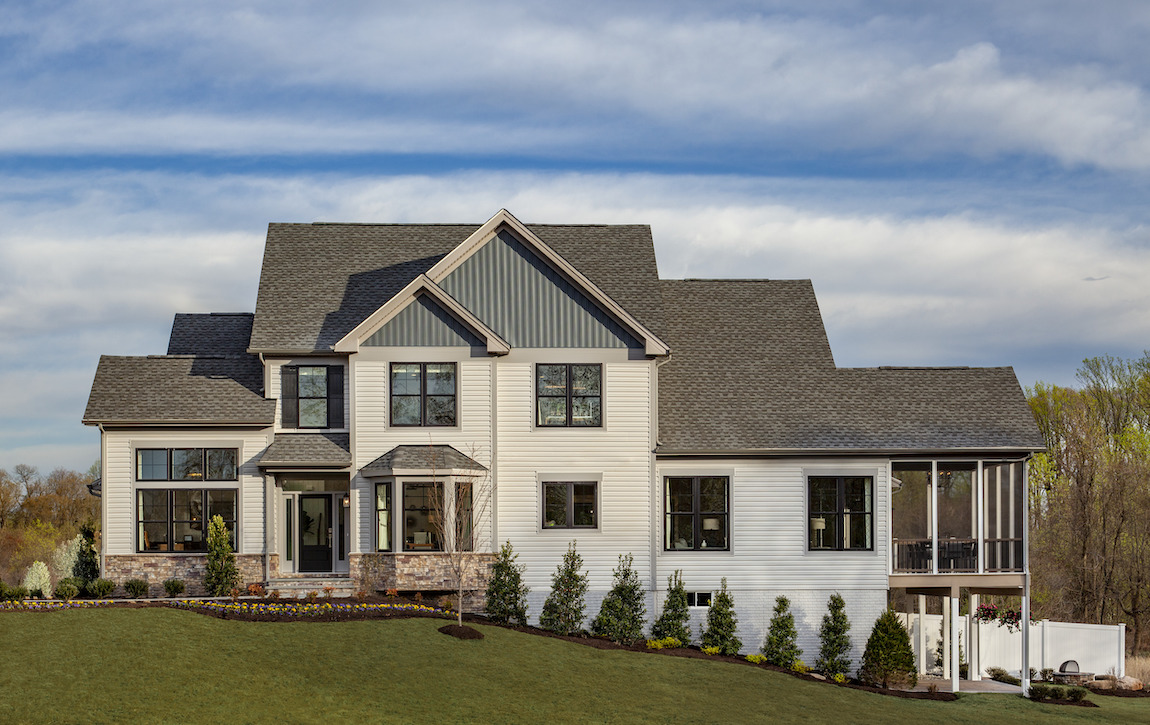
x=159, y=665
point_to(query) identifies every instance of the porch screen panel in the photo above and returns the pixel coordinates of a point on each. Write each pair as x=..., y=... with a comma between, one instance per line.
x=910, y=517
x=1003, y=515
x=957, y=518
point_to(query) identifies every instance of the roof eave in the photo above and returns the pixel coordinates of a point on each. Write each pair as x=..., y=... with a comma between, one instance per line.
x=886, y=452
x=175, y=423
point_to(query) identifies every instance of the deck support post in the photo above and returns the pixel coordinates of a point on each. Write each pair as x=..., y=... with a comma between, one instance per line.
x=946, y=635
x=1025, y=625
x=955, y=670
x=972, y=653
x=922, y=634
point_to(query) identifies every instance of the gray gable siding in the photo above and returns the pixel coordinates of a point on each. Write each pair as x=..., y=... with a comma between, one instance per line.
x=528, y=303
x=424, y=323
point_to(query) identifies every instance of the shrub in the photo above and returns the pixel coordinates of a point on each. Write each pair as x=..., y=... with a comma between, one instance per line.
x=1001, y=675
x=712, y=650
x=780, y=647
x=888, y=659
x=674, y=621
x=68, y=588
x=87, y=559
x=563, y=609
x=800, y=667
x=137, y=588
x=756, y=659
x=721, y=623
x=1057, y=692
x=100, y=588
x=221, y=576
x=506, y=593
x=840, y=678
x=1047, y=674
x=65, y=556
x=1076, y=694
x=38, y=581
x=834, y=640
x=664, y=643
x=1038, y=692
x=174, y=587
x=622, y=612
x=256, y=590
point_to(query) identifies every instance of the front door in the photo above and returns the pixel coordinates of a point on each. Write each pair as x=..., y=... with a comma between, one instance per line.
x=315, y=532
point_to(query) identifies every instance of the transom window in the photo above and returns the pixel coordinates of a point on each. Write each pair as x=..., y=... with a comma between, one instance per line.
x=569, y=395
x=570, y=505
x=697, y=513
x=177, y=519
x=423, y=394
x=312, y=396
x=186, y=464
x=841, y=513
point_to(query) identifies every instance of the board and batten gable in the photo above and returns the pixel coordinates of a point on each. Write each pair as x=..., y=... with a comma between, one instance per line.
x=119, y=481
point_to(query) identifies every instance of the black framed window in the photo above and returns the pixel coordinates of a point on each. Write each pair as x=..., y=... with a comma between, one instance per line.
x=841, y=513
x=569, y=395
x=423, y=394
x=312, y=396
x=570, y=505
x=421, y=530
x=383, y=517
x=187, y=464
x=697, y=513
x=176, y=520
x=698, y=599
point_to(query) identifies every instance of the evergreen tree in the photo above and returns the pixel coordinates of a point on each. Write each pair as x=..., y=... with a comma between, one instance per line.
x=87, y=565
x=675, y=619
x=563, y=609
x=722, y=623
x=506, y=593
x=222, y=575
x=835, y=642
x=888, y=659
x=781, y=648
x=622, y=613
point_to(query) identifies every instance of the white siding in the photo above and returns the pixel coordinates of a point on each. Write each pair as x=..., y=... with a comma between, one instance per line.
x=119, y=481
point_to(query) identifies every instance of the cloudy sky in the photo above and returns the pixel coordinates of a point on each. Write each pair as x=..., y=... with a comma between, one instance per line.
x=964, y=183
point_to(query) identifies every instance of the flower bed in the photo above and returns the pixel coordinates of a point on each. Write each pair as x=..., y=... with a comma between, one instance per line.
x=287, y=610
x=40, y=605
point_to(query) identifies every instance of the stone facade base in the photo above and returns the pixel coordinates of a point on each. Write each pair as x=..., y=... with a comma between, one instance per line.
x=422, y=573
x=155, y=568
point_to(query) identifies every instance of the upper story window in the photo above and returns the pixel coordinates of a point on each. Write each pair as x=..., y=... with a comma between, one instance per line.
x=423, y=394
x=312, y=396
x=841, y=513
x=570, y=505
x=569, y=395
x=698, y=513
x=186, y=464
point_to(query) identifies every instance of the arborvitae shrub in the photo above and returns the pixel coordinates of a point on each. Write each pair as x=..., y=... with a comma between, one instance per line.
x=506, y=593
x=781, y=646
x=888, y=660
x=674, y=621
x=174, y=587
x=87, y=566
x=137, y=588
x=563, y=609
x=221, y=576
x=835, y=642
x=38, y=581
x=722, y=623
x=622, y=613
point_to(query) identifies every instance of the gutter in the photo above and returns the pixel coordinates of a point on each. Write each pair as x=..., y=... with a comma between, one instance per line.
x=793, y=452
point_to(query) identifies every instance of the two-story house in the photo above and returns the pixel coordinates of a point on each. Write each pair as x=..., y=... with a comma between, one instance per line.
x=700, y=425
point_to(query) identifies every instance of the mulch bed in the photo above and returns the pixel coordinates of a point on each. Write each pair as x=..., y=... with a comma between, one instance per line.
x=461, y=631
x=1120, y=693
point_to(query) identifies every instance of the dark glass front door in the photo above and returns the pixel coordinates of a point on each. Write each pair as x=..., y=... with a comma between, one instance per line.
x=315, y=533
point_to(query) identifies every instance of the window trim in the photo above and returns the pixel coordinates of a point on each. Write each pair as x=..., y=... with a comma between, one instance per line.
x=171, y=520
x=423, y=395
x=841, y=475
x=696, y=513
x=568, y=395
x=168, y=464
x=336, y=393
x=570, y=485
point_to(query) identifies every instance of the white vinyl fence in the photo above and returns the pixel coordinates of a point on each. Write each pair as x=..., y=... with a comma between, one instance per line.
x=1098, y=648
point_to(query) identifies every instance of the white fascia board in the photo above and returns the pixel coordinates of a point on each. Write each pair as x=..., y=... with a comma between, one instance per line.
x=653, y=345
x=422, y=284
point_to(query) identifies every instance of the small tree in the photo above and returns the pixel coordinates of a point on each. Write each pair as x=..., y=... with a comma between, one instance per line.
x=563, y=609
x=835, y=642
x=888, y=659
x=87, y=565
x=506, y=593
x=675, y=619
x=722, y=623
x=458, y=507
x=222, y=575
x=38, y=581
x=780, y=647
x=622, y=613
x=65, y=556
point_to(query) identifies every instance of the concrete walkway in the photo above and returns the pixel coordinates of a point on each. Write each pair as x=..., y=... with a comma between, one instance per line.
x=994, y=686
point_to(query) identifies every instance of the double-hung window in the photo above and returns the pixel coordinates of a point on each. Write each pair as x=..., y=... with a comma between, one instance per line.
x=312, y=396
x=423, y=394
x=570, y=505
x=697, y=513
x=569, y=395
x=177, y=519
x=841, y=513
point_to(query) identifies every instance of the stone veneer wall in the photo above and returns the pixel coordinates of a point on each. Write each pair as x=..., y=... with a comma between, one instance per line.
x=189, y=567
x=421, y=573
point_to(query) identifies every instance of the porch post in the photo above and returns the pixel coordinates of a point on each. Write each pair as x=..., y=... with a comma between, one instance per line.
x=1025, y=624
x=947, y=636
x=921, y=634
x=955, y=670
x=972, y=653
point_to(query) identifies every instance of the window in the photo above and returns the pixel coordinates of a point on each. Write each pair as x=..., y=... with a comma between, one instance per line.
x=176, y=519
x=383, y=516
x=186, y=464
x=569, y=395
x=420, y=517
x=312, y=396
x=698, y=599
x=697, y=513
x=569, y=505
x=841, y=513
x=423, y=394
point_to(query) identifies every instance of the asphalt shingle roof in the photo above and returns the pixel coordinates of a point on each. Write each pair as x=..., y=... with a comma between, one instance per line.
x=324, y=449
x=423, y=458
x=217, y=333
x=319, y=281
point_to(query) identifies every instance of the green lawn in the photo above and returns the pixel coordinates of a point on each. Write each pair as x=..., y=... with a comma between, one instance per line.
x=160, y=665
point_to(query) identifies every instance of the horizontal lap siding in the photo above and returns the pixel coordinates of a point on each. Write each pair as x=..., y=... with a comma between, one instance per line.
x=619, y=453
x=119, y=474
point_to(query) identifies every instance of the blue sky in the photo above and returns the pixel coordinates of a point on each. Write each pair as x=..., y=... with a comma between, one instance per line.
x=964, y=185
